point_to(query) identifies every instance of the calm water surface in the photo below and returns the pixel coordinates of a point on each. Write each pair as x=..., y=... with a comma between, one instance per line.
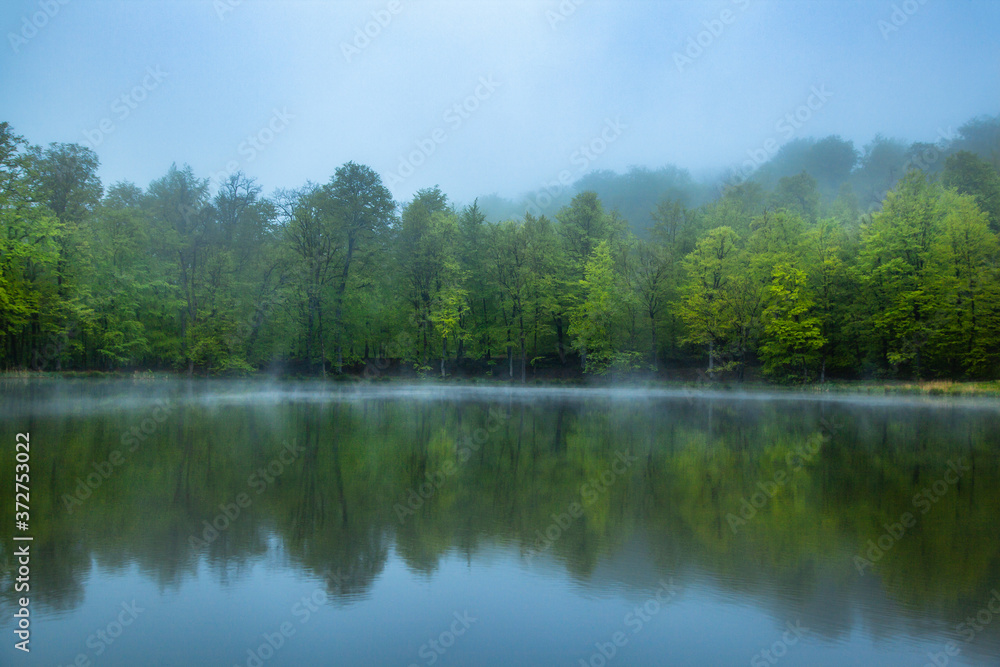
x=216, y=523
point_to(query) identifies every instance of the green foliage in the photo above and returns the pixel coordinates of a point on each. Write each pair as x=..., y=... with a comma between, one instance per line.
x=971, y=175
x=792, y=332
x=593, y=321
x=704, y=307
x=825, y=262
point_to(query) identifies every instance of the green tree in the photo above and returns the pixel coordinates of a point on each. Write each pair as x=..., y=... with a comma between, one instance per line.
x=593, y=321
x=971, y=175
x=450, y=304
x=892, y=271
x=31, y=251
x=311, y=233
x=507, y=247
x=792, y=337
x=123, y=278
x=426, y=253
x=583, y=225
x=481, y=307
x=965, y=287
x=652, y=268
x=703, y=307
x=178, y=204
x=64, y=178
x=829, y=282
x=363, y=209
x=799, y=195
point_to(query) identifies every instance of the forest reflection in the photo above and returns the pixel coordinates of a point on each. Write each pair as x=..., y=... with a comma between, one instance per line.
x=588, y=484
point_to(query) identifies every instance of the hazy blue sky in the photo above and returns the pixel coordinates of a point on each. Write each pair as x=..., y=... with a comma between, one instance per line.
x=201, y=77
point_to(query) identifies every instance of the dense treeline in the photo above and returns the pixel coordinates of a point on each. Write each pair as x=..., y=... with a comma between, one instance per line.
x=826, y=261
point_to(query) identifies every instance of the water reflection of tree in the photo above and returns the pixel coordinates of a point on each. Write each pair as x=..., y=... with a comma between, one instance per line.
x=333, y=508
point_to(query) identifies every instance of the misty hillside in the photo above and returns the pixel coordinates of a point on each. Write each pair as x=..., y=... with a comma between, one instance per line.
x=862, y=174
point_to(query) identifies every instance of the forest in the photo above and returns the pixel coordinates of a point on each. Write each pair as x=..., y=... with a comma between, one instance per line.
x=825, y=261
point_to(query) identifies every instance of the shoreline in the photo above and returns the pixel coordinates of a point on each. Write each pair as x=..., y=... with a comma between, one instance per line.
x=929, y=388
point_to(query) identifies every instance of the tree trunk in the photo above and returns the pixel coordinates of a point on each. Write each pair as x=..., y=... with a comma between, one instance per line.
x=338, y=311
x=560, y=348
x=322, y=344
x=652, y=322
x=524, y=364
x=524, y=370
x=310, y=326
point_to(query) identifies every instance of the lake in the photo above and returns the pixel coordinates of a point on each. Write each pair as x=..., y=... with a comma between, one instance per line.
x=254, y=523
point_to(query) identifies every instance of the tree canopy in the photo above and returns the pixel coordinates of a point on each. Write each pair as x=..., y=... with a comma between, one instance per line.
x=828, y=262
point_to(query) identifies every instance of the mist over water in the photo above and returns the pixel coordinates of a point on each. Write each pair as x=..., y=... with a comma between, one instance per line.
x=60, y=396
x=549, y=515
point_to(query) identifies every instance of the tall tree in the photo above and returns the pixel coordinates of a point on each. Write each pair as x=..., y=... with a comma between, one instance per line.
x=65, y=179
x=893, y=271
x=179, y=205
x=123, y=278
x=426, y=253
x=31, y=311
x=792, y=333
x=594, y=320
x=703, y=307
x=971, y=175
x=312, y=236
x=965, y=287
x=362, y=208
